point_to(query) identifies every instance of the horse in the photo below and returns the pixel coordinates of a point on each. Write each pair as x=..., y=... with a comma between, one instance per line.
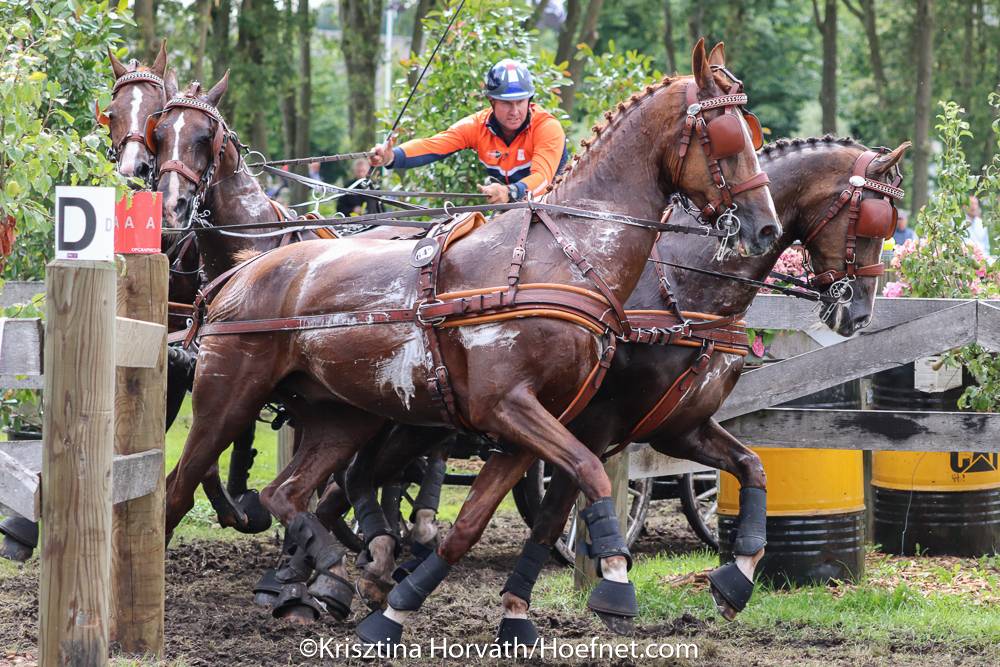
x=373, y=352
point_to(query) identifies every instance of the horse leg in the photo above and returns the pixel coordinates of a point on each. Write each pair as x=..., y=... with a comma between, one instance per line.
x=180, y=373
x=246, y=500
x=330, y=437
x=712, y=445
x=425, y=505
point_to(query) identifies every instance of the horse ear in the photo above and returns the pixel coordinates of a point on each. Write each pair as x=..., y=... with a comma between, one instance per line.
x=160, y=64
x=218, y=90
x=116, y=64
x=882, y=164
x=170, y=84
x=700, y=66
x=718, y=55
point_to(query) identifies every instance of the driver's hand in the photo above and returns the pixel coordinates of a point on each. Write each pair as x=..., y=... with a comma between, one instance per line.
x=381, y=154
x=496, y=193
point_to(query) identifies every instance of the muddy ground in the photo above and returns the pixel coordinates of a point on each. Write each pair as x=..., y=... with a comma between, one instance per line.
x=210, y=621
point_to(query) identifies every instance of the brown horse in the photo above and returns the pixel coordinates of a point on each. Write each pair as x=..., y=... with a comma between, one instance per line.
x=808, y=176
x=509, y=379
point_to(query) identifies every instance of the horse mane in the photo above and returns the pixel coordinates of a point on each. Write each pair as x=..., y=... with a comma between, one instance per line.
x=611, y=116
x=245, y=255
x=782, y=147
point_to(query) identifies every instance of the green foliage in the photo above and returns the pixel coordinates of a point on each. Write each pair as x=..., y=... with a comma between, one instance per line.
x=453, y=86
x=52, y=68
x=611, y=77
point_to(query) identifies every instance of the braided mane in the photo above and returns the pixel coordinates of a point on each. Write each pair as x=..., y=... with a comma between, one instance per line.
x=783, y=146
x=611, y=117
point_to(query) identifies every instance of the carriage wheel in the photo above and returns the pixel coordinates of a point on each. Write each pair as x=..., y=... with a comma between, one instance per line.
x=528, y=497
x=699, y=494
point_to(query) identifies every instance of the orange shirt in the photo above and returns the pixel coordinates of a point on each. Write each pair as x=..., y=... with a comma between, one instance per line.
x=537, y=153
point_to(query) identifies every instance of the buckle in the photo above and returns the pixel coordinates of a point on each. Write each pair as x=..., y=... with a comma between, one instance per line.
x=856, y=181
x=694, y=109
x=432, y=322
x=518, y=255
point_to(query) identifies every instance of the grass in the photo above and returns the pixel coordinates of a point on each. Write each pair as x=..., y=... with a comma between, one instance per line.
x=868, y=612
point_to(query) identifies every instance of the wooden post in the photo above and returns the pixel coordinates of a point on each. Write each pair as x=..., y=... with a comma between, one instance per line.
x=286, y=446
x=866, y=458
x=137, y=594
x=76, y=463
x=585, y=571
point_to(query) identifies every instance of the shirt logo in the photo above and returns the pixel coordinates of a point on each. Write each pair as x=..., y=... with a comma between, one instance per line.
x=520, y=154
x=494, y=154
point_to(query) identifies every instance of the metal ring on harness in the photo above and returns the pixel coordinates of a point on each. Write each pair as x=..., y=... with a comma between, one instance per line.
x=246, y=164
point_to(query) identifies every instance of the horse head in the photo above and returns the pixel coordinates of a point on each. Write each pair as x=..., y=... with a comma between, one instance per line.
x=690, y=136
x=138, y=92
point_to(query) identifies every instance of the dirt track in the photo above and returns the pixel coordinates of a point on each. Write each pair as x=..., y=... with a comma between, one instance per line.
x=210, y=620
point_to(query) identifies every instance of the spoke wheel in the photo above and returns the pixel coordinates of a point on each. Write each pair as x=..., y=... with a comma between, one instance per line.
x=699, y=495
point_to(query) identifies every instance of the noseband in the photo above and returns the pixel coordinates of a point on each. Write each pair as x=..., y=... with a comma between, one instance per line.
x=115, y=150
x=720, y=137
x=873, y=218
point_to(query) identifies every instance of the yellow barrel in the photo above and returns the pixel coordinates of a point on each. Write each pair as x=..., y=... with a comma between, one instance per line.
x=815, y=515
x=948, y=503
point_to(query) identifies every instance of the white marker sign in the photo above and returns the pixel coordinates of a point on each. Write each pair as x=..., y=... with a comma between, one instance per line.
x=85, y=223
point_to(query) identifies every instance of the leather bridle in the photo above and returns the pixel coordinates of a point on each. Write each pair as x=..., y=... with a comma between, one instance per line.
x=873, y=218
x=720, y=137
x=130, y=78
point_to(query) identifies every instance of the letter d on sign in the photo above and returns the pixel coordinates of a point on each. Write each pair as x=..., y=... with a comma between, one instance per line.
x=85, y=223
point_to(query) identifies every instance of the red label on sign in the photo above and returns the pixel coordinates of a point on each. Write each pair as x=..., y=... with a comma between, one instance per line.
x=137, y=227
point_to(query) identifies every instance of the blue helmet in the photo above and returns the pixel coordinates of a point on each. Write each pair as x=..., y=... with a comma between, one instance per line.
x=509, y=80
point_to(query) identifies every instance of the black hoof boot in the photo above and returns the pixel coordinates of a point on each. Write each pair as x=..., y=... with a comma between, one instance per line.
x=731, y=589
x=377, y=629
x=267, y=589
x=419, y=553
x=20, y=538
x=335, y=593
x=615, y=604
x=516, y=632
x=258, y=519
x=296, y=605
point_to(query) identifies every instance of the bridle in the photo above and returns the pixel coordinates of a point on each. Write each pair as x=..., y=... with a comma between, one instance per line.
x=872, y=218
x=115, y=150
x=220, y=139
x=720, y=137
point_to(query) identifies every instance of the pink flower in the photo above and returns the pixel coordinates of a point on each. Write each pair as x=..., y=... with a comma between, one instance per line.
x=758, y=346
x=981, y=272
x=894, y=290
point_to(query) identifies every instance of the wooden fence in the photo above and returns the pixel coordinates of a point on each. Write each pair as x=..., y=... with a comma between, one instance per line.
x=96, y=479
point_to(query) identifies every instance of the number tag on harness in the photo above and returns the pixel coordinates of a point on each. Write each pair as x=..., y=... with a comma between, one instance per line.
x=424, y=253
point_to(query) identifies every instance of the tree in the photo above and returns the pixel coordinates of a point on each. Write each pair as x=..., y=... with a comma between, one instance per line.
x=866, y=14
x=417, y=36
x=827, y=27
x=145, y=18
x=924, y=23
x=360, y=22
x=668, y=38
x=304, y=25
x=587, y=37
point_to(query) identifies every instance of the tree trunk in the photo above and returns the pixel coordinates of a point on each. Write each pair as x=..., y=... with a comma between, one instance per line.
x=220, y=39
x=302, y=146
x=567, y=36
x=668, y=38
x=288, y=109
x=536, y=15
x=250, y=46
x=924, y=43
x=867, y=15
x=588, y=36
x=827, y=26
x=204, y=14
x=417, y=38
x=360, y=22
x=145, y=19
x=965, y=73
x=695, y=22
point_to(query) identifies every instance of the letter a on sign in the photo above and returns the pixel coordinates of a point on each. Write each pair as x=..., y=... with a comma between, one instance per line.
x=138, y=226
x=85, y=223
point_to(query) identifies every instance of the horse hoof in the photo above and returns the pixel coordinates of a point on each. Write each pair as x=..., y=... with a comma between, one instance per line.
x=373, y=592
x=296, y=605
x=516, y=632
x=731, y=589
x=615, y=598
x=335, y=593
x=15, y=550
x=620, y=625
x=256, y=518
x=379, y=630
x=267, y=589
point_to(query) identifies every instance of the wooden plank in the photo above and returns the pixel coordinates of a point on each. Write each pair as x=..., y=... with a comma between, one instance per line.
x=644, y=461
x=27, y=452
x=78, y=430
x=776, y=311
x=138, y=540
x=585, y=572
x=18, y=487
x=135, y=476
x=877, y=430
x=141, y=342
x=988, y=326
x=13, y=292
x=22, y=382
x=856, y=357
x=20, y=346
